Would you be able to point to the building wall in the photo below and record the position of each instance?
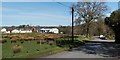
(48, 30)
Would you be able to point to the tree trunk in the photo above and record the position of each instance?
(87, 29)
(117, 34)
(117, 38)
(87, 34)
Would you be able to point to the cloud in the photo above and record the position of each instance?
(36, 16)
(11, 13)
(46, 15)
(108, 15)
(9, 9)
(16, 17)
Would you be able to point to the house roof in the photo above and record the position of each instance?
(48, 28)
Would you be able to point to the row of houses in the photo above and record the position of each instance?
(42, 30)
(4, 30)
(49, 30)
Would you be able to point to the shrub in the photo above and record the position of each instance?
(37, 50)
(43, 41)
(16, 49)
(38, 41)
(22, 42)
(13, 40)
(3, 40)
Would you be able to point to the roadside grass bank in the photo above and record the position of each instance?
(29, 49)
(34, 48)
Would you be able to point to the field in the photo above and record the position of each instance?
(28, 48)
(35, 44)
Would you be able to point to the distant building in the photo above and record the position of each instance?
(7, 31)
(3, 30)
(49, 30)
(15, 31)
(21, 31)
(29, 31)
(25, 31)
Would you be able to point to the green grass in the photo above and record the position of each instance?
(28, 46)
(0, 51)
(86, 39)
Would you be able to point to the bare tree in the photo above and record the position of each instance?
(88, 12)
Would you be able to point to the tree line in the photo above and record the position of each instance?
(90, 20)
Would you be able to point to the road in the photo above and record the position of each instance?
(95, 49)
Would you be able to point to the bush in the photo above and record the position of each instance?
(38, 41)
(3, 41)
(69, 43)
(16, 49)
(13, 40)
(22, 42)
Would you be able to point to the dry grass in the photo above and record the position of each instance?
(39, 37)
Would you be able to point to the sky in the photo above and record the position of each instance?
(40, 13)
(59, 0)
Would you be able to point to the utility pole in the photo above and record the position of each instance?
(72, 24)
(72, 41)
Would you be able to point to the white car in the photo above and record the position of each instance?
(102, 37)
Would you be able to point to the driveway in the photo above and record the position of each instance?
(95, 49)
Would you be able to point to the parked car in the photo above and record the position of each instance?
(102, 37)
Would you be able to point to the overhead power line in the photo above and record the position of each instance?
(63, 4)
(72, 20)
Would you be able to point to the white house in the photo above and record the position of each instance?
(7, 31)
(3, 30)
(29, 31)
(25, 31)
(49, 30)
(54, 30)
(21, 31)
(15, 31)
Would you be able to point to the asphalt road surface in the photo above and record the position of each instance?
(95, 49)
